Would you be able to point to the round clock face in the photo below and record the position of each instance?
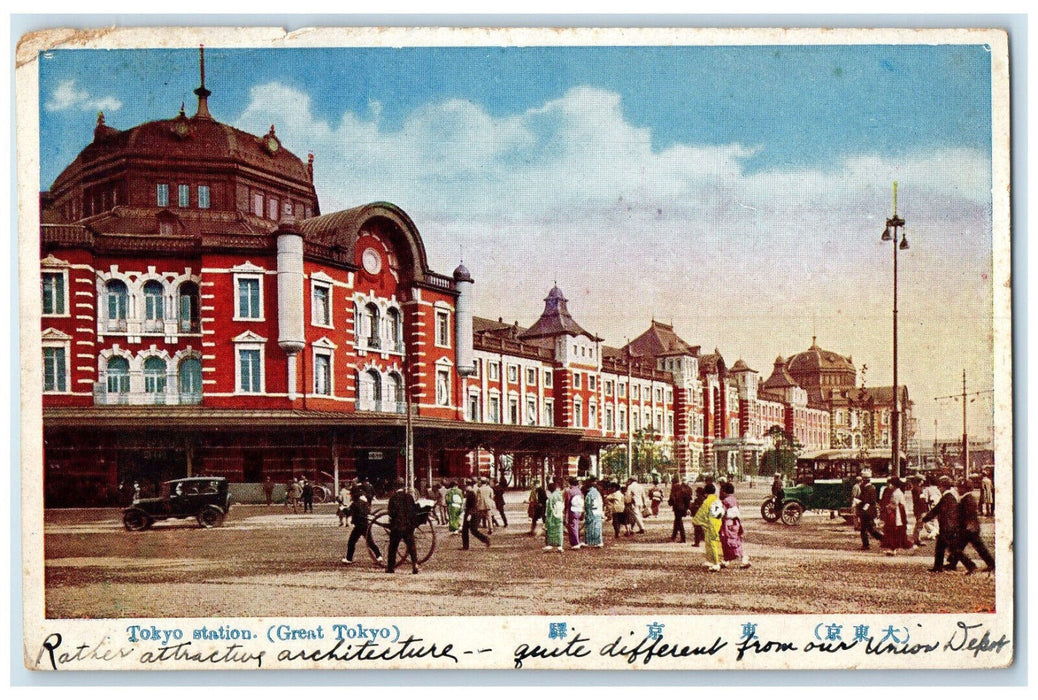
(372, 261)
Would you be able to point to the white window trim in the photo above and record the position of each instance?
(53, 338)
(493, 371)
(250, 341)
(238, 277)
(64, 283)
(549, 378)
(325, 348)
(328, 285)
(439, 313)
(512, 369)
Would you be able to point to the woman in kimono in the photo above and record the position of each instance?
(709, 517)
(455, 504)
(895, 517)
(554, 513)
(731, 529)
(594, 512)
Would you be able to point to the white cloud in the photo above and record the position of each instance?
(67, 96)
(753, 262)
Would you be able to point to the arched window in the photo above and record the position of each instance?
(188, 308)
(118, 301)
(374, 319)
(155, 378)
(190, 380)
(370, 391)
(395, 328)
(396, 393)
(154, 308)
(118, 378)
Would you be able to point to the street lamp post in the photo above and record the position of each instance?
(890, 233)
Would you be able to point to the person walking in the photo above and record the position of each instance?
(455, 499)
(573, 499)
(895, 517)
(867, 508)
(485, 504)
(308, 496)
(293, 494)
(931, 497)
(615, 505)
(655, 498)
(969, 526)
(268, 490)
(987, 494)
(359, 513)
(594, 511)
(731, 529)
(919, 509)
(343, 499)
(499, 500)
(680, 500)
(554, 514)
(697, 503)
(440, 508)
(639, 503)
(472, 518)
(535, 503)
(402, 523)
(709, 517)
(947, 514)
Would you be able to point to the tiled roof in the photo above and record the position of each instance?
(780, 378)
(555, 320)
(660, 339)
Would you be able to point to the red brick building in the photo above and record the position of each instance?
(201, 314)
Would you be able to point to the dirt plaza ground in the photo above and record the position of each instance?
(268, 561)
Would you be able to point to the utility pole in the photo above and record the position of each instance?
(965, 435)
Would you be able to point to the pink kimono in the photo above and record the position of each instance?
(731, 530)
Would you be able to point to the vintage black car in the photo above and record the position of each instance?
(204, 498)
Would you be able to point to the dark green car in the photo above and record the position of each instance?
(833, 495)
(204, 498)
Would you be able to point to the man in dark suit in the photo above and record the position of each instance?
(680, 500)
(867, 508)
(969, 528)
(402, 523)
(948, 521)
(472, 517)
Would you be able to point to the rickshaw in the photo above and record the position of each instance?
(424, 533)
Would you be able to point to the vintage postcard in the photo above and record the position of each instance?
(515, 349)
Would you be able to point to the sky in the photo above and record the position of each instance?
(738, 192)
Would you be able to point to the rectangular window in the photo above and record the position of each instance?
(609, 419)
(474, 407)
(272, 209)
(531, 411)
(591, 382)
(257, 204)
(623, 421)
(513, 373)
(443, 329)
(54, 369)
(549, 412)
(321, 305)
(495, 409)
(621, 390)
(443, 387)
(203, 196)
(249, 298)
(250, 381)
(493, 371)
(592, 416)
(477, 367)
(53, 288)
(531, 376)
(578, 414)
(608, 388)
(323, 374)
(548, 378)
(636, 392)
(576, 380)
(183, 195)
(659, 394)
(513, 411)
(162, 195)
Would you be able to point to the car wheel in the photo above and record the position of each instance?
(791, 513)
(136, 520)
(210, 516)
(767, 510)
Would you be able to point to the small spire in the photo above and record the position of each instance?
(203, 94)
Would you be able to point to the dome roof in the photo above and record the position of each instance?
(192, 140)
(461, 274)
(816, 359)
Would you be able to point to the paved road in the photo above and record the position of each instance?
(265, 561)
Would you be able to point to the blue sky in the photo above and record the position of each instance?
(738, 192)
